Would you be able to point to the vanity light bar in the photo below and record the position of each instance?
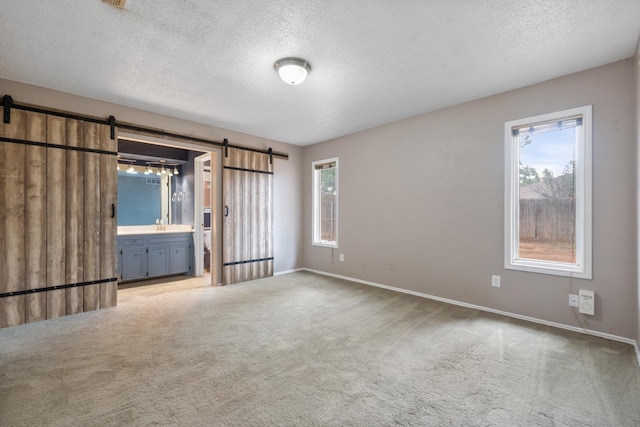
(164, 168)
(161, 167)
(131, 169)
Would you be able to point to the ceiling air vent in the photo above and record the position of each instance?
(117, 3)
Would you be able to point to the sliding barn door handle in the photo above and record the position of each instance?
(113, 210)
(226, 211)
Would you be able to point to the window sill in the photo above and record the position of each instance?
(552, 268)
(325, 245)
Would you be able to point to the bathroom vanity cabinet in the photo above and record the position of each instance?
(152, 255)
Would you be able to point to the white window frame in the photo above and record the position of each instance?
(582, 267)
(315, 177)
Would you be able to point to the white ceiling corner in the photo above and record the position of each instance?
(373, 62)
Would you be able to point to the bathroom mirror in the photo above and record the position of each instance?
(142, 199)
(160, 188)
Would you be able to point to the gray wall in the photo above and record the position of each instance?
(426, 194)
(636, 66)
(287, 190)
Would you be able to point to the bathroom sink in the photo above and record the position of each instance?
(124, 230)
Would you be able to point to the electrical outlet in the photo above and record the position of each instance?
(392, 265)
(573, 300)
(341, 257)
(495, 281)
(587, 302)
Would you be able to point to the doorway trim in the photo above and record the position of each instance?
(198, 213)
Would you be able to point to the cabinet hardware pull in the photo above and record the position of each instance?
(226, 211)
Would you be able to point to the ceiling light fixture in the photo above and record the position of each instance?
(131, 169)
(292, 71)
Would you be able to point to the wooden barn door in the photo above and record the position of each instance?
(247, 200)
(58, 182)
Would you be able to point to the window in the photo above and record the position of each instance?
(325, 203)
(548, 193)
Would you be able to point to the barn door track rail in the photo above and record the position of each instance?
(53, 288)
(8, 103)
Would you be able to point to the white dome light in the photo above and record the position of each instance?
(292, 71)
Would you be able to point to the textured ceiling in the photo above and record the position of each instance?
(373, 62)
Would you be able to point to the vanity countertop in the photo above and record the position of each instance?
(129, 230)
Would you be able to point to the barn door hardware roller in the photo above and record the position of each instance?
(7, 102)
(112, 125)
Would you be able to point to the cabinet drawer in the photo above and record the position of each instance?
(126, 241)
(169, 238)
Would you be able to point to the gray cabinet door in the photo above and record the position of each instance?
(158, 260)
(179, 258)
(134, 263)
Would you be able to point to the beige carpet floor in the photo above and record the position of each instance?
(304, 349)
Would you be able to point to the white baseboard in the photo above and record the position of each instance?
(280, 273)
(487, 309)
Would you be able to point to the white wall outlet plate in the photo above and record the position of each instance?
(495, 281)
(341, 257)
(573, 300)
(587, 302)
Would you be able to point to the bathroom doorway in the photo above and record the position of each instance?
(200, 189)
(205, 223)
